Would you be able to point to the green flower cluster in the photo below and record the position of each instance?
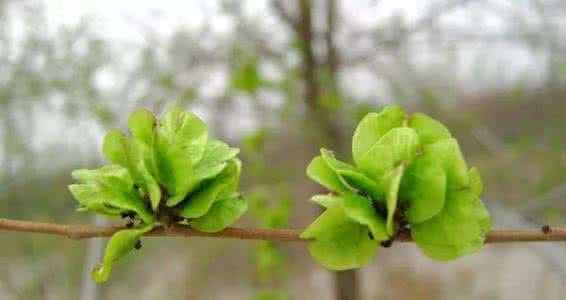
(409, 175)
(167, 172)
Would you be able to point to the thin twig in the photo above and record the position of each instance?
(282, 235)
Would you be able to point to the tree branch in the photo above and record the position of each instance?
(283, 235)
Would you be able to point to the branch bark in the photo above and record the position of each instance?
(282, 235)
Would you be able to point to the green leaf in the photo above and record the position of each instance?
(351, 178)
(246, 76)
(476, 183)
(137, 158)
(429, 130)
(109, 175)
(185, 130)
(372, 127)
(174, 168)
(181, 144)
(121, 243)
(220, 187)
(399, 145)
(109, 191)
(339, 243)
(424, 188)
(357, 208)
(222, 214)
(363, 185)
(458, 230)
(326, 201)
(361, 210)
(143, 168)
(320, 172)
(448, 152)
(115, 148)
(87, 196)
(269, 260)
(212, 163)
(394, 182)
(216, 153)
(142, 126)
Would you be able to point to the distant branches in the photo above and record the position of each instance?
(546, 234)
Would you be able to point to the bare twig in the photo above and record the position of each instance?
(282, 235)
(284, 15)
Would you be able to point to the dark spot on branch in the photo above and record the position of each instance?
(546, 229)
(387, 244)
(138, 245)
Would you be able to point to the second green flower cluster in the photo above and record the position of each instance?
(167, 172)
(409, 175)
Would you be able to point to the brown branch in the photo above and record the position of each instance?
(284, 15)
(282, 235)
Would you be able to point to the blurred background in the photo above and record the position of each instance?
(280, 79)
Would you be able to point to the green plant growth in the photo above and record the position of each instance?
(270, 260)
(408, 175)
(267, 211)
(168, 171)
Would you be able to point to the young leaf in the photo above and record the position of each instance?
(350, 177)
(429, 130)
(86, 195)
(185, 130)
(372, 127)
(137, 158)
(142, 126)
(121, 243)
(326, 201)
(360, 210)
(320, 172)
(476, 183)
(222, 214)
(115, 148)
(448, 152)
(456, 231)
(397, 146)
(110, 175)
(424, 188)
(212, 163)
(339, 243)
(394, 181)
(220, 187)
(109, 187)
